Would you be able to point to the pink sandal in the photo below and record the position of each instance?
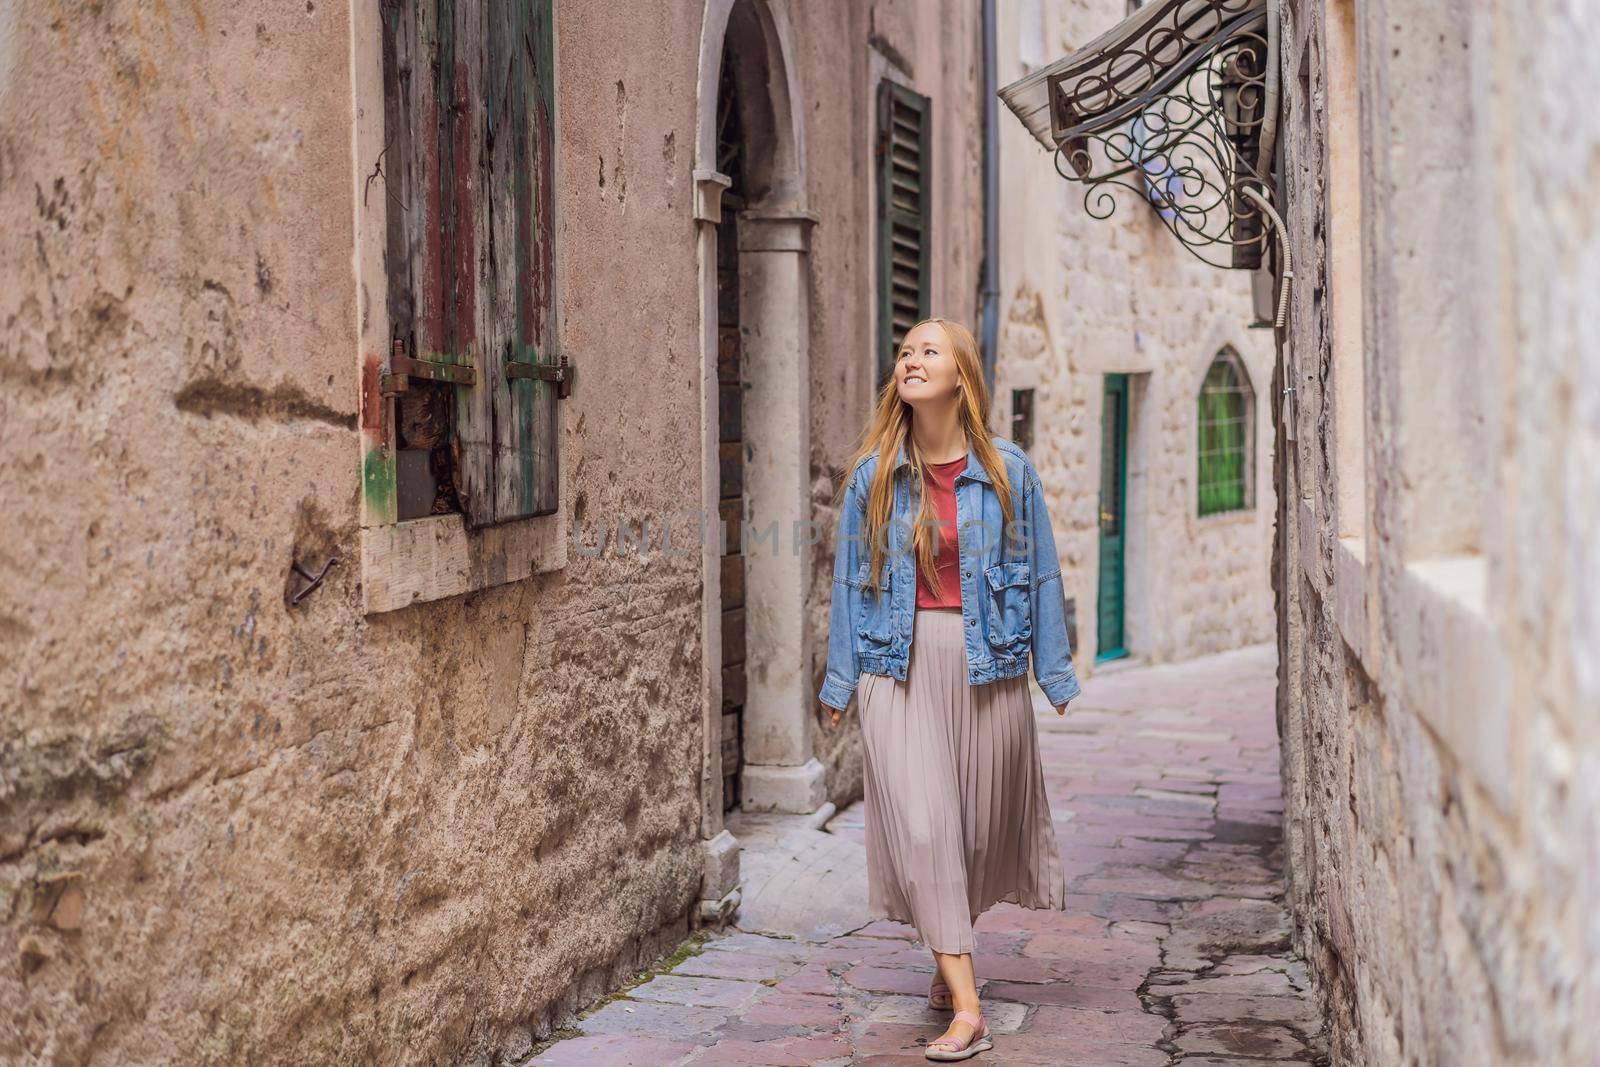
(939, 998)
(949, 1049)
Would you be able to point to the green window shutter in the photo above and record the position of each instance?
(470, 109)
(522, 173)
(1224, 431)
(905, 212)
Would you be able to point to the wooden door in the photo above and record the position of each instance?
(1111, 641)
(730, 435)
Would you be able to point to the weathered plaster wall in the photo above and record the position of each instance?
(235, 832)
(1083, 297)
(845, 50)
(1439, 684)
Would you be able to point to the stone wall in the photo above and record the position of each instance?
(233, 831)
(236, 831)
(1439, 550)
(1085, 297)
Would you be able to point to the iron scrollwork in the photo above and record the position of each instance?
(1173, 110)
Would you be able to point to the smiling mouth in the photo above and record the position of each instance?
(916, 378)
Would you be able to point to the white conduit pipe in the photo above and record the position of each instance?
(1283, 248)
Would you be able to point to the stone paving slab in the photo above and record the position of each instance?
(618, 1050)
(808, 883)
(734, 964)
(1174, 949)
(698, 992)
(1002, 1018)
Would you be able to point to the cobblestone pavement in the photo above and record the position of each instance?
(1174, 947)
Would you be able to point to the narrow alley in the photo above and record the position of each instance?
(431, 471)
(1175, 944)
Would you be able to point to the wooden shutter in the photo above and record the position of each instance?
(470, 159)
(905, 211)
(523, 237)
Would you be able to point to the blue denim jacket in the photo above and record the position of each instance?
(1012, 602)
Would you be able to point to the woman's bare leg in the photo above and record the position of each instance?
(963, 982)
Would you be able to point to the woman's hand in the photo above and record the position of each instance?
(835, 716)
(1061, 709)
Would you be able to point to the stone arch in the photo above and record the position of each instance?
(1226, 352)
(760, 33)
(778, 770)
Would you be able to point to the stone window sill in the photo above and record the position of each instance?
(1236, 517)
(1439, 606)
(1350, 600)
(1456, 678)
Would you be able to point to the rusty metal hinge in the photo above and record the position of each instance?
(561, 372)
(403, 369)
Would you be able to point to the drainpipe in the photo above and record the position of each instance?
(988, 280)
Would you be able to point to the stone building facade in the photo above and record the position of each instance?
(477, 772)
(1436, 542)
(1090, 302)
(1438, 559)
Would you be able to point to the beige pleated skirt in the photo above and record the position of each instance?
(956, 813)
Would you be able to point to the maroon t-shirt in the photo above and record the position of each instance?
(939, 483)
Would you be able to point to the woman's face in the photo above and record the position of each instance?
(925, 371)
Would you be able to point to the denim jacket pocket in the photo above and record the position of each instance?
(1010, 622)
(874, 624)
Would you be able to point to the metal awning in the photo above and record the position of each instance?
(1177, 104)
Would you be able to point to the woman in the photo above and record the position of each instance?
(946, 583)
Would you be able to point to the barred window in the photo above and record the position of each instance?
(1225, 421)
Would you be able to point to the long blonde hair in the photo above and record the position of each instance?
(890, 427)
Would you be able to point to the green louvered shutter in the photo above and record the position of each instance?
(905, 166)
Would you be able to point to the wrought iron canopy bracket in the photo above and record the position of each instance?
(1177, 106)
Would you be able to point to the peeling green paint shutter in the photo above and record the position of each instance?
(470, 110)
(905, 213)
(522, 235)
(460, 137)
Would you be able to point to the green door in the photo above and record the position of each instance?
(1111, 642)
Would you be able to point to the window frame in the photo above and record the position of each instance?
(431, 558)
(1229, 357)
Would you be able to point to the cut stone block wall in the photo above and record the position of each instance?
(1438, 555)
(1083, 297)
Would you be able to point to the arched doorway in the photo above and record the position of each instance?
(730, 427)
(754, 240)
